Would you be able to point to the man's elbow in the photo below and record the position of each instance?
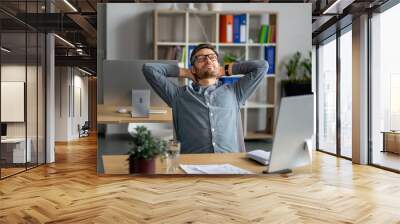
(262, 66)
(150, 70)
(147, 68)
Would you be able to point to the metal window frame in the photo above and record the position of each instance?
(334, 37)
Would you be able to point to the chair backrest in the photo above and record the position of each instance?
(240, 136)
(86, 125)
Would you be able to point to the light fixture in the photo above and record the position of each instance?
(70, 5)
(84, 71)
(337, 7)
(5, 50)
(64, 40)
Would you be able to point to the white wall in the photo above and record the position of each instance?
(69, 79)
(17, 72)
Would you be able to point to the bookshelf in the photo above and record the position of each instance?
(183, 29)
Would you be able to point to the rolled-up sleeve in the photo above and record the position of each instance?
(157, 75)
(254, 72)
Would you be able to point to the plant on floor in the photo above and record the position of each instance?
(145, 148)
(298, 71)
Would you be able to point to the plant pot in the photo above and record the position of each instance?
(296, 88)
(143, 166)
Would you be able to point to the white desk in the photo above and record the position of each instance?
(18, 150)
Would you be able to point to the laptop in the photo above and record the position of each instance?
(140, 102)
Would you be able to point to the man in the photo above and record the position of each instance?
(205, 112)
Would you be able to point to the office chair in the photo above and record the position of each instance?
(84, 130)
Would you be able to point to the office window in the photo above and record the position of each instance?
(327, 96)
(346, 93)
(22, 89)
(385, 89)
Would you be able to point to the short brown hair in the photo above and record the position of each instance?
(199, 47)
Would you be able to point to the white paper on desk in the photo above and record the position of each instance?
(190, 169)
(214, 169)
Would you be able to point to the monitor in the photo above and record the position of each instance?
(3, 129)
(295, 126)
(121, 76)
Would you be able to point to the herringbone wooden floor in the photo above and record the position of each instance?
(69, 191)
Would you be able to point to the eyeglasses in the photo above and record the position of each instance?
(203, 58)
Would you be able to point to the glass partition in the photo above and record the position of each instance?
(327, 96)
(13, 96)
(385, 89)
(22, 87)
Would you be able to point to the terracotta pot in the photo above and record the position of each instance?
(144, 166)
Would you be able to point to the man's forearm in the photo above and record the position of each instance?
(156, 75)
(245, 67)
(254, 72)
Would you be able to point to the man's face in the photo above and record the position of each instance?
(206, 64)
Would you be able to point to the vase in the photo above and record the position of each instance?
(142, 166)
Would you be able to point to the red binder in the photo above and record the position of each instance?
(226, 29)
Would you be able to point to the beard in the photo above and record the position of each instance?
(206, 73)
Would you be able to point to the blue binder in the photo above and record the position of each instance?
(236, 29)
(243, 28)
(270, 58)
(190, 49)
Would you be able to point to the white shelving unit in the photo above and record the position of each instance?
(186, 28)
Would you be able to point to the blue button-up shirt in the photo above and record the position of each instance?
(205, 117)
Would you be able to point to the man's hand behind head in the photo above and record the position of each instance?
(187, 73)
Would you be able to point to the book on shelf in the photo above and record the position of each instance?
(262, 34)
(176, 53)
(226, 29)
(183, 59)
(267, 34)
(243, 23)
(273, 34)
(189, 52)
(270, 58)
(239, 28)
(236, 29)
(233, 28)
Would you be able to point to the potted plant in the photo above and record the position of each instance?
(142, 156)
(299, 76)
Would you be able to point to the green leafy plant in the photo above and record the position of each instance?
(229, 58)
(306, 67)
(292, 66)
(299, 75)
(298, 69)
(145, 146)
